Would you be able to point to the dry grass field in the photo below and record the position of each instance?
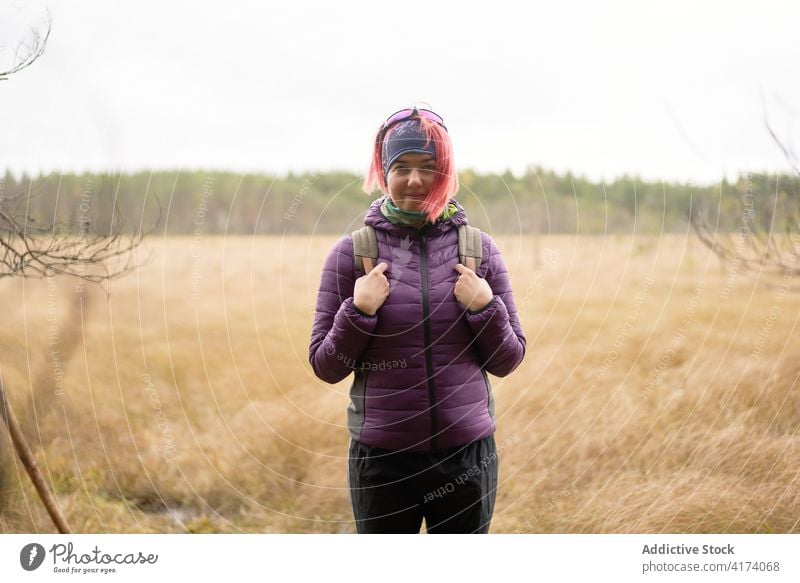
(659, 393)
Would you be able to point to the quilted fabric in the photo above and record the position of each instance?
(419, 383)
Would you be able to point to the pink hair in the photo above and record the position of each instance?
(446, 184)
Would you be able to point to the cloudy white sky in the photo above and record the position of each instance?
(672, 90)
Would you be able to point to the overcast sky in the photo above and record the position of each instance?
(670, 90)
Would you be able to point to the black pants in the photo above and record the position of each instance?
(452, 489)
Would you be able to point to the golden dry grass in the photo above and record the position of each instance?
(659, 393)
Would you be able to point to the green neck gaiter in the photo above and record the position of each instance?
(397, 216)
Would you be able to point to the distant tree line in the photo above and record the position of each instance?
(333, 203)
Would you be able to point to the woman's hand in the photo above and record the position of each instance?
(471, 291)
(371, 290)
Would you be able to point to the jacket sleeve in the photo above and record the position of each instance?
(499, 337)
(341, 332)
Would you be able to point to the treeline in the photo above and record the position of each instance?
(184, 203)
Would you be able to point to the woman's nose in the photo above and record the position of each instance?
(415, 177)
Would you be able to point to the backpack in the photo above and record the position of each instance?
(365, 248)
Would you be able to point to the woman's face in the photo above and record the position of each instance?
(410, 180)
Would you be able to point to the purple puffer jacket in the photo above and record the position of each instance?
(420, 363)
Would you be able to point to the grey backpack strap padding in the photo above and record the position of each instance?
(365, 249)
(470, 247)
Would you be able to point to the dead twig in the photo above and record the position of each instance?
(29, 462)
(28, 52)
(760, 247)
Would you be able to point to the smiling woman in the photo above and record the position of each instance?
(412, 161)
(410, 180)
(422, 435)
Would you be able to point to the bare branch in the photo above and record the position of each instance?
(756, 247)
(31, 248)
(28, 52)
(790, 158)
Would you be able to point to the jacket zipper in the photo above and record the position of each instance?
(426, 326)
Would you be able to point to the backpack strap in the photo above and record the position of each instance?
(365, 249)
(470, 247)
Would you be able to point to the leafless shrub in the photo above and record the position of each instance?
(759, 247)
(29, 51)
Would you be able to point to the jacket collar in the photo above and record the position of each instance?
(376, 220)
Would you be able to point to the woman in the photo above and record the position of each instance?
(419, 330)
